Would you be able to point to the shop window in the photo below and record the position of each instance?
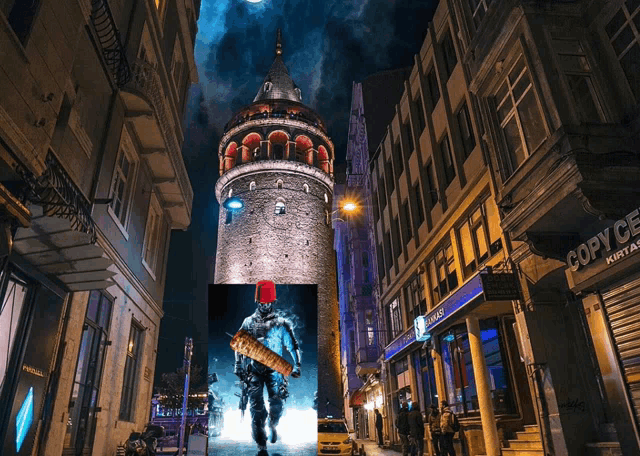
(460, 383)
(131, 371)
(395, 319)
(478, 9)
(519, 115)
(425, 367)
(402, 394)
(479, 237)
(10, 313)
(466, 130)
(87, 380)
(416, 302)
(432, 190)
(624, 34)
(434, 89)
(446, 157)
(442, 273)
(449, 51)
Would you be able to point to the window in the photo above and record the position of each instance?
(419, 108)
(389, 177)
(252, 186)
(395, 319)
(395, 234)
(447, 160)
(10, 312)
(449, 51)
(416, 302)
(382, 193)
(20, 15)
(381, 259)
(574, 65)
(442, 273)
(410, 145)
(519, 115)
(479, 237)
(352, 345)
(123, 181)
(434, 90)
(624, 33)
(279, 184)
(417, 202)
(88, 375)
(267, 86)
(152, 236)
(398, 160)
(376, 207)
(388, 255)
(431, 185)
(466, 130)
(280, 208)
(131, 372)
(478, 9)
(305, 188)
(177, 65)
(278, 151)
(406, 223)
(365, 260)
(368, 321)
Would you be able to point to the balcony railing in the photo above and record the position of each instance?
(109, 37)
(367, 355)
(146, 81)
(59, 196)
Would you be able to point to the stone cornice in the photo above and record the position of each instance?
(275, 122)
(272, 166)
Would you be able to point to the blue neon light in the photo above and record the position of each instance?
(449, 337)
(24, 419)
(235, 205)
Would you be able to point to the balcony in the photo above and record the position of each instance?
(61, 239)
(109, 38)
(367, 360)
(148, 112)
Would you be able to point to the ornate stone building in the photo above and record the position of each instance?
(92, 181)
(276, 157)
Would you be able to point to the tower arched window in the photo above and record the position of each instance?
(252, 186)
(280, 208)
(278, 151)
(230, 192)
(267, 86)
(326, 198)
(305, 187)
(279, 184)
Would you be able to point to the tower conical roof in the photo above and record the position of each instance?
(278, 85)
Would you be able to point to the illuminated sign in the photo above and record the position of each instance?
(420, 325)
(400, 343)
(24, 419)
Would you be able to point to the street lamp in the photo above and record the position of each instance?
(233, 204)
(347, 206)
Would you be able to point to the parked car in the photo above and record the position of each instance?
(334, 438)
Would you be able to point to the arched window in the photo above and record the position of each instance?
(252, 186)
(251, 147)
(278, 141)
(326, 198)
(323, 159)
(230, 192)
(280, 208)
(304, 148)
(230, 156)
(305, 187)
(267, 86)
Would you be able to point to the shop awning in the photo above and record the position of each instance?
(486, 285)
(357, 399)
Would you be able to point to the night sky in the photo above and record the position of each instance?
(229, 305)
(328, 44)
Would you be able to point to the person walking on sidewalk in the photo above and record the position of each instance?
(416, 430)
(402, 424)
(449, 425)
(434, 428)
(379, 427)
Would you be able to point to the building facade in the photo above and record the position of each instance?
(277, 159)
(92, 183)
(506, 220)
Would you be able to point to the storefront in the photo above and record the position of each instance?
(473, 354)
(605, 272)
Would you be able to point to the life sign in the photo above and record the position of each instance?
(613, 237)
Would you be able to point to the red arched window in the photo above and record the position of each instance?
(304, 148)
(251, 147)
(230, 156)
(323, 159)
(278, 145)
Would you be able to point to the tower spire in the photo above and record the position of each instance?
(279, 42)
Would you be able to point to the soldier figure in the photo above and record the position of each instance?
(276, 333)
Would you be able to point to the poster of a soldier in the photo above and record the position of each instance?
(265, 347)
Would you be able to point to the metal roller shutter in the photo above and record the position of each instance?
(623, 309)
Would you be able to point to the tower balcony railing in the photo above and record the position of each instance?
(109, 38)
(275, 113)
(145, 81)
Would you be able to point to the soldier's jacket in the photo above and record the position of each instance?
(272, 330)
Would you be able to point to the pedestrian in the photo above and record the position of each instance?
(449, 425)
(434, 428)
(416, 430)
(379, 427)
(402, 424)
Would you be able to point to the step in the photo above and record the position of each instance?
(514, 452)
(531, 428)
(528, 436)
(525, 444)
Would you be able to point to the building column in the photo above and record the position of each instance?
(481, 375)
(438, 371)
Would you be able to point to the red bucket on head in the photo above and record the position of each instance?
(265, 291)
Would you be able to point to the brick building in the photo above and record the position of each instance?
(92, 181)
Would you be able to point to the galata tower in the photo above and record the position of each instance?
(276, 162)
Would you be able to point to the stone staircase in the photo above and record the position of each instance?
(527, 443)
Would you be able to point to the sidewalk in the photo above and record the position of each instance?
(371, 449)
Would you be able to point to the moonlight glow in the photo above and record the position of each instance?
(296, 426)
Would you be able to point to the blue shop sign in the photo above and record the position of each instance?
(400, 344)
(485, 284)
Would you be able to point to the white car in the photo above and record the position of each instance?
(334, 438)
